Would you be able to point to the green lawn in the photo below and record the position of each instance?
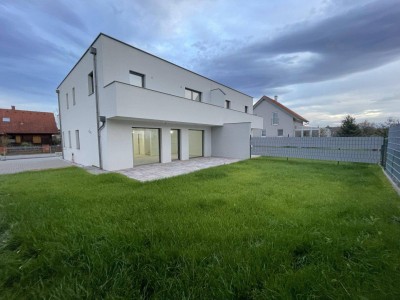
(262, 228)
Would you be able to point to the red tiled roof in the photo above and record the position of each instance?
(28, 122)
(280, 105)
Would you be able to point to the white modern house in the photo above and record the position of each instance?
(280, 121)
(121, 107)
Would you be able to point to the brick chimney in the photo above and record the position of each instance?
(276, 98)
(12, 107)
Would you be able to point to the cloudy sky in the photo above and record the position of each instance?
(323, 58)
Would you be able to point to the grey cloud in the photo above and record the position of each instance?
(359, 39)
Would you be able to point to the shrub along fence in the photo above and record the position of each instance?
(350, 149)
(392, 163)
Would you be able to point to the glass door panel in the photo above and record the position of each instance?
(175, 154)
(146, 146)
(195, 143)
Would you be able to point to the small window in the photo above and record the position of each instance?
(136, 79)
(246, 109)
(6, 120)
(227, 104)
(264, 132)
(280, 132)
(73, 96)
(90, 83)
(69, 139)
(192, 95)
(36, 139)
(63, 139)
(66, 97)
(275, 119)
(78, 143)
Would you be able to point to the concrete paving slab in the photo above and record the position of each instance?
(175, 168)
(32, 164)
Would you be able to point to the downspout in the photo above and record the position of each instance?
(59, 119)
(93, 51)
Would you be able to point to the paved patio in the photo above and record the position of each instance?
(175, 168)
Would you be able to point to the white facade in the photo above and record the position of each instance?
(278, 120)
(118, 72)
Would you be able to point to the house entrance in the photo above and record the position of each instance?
(146, 146)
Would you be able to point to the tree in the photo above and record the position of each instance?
(383, 128)
(349, 127)
(368, 128)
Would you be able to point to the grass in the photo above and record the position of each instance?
(262, 228)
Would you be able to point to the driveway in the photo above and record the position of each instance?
(24, 163)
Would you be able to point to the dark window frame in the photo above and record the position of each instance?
(179, 143)
(143, 76)
(227, 104)
(191, 94)
(278, 132)
(246, 109)
(91, 83)
(202, 143)
(77, 140)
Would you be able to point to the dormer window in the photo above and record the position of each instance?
(6, 120)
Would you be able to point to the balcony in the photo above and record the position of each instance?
(125, 101)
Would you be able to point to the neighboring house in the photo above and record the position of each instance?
(121, 107)
(280, 120)
(22, 126)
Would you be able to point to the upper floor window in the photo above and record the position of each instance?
(90, 83)
(280, 132)
(136, 79)
(66, 97)
(6, 120)
(246, 109)
(275, 119)
(73, 96)
(227, 104)
(192, 94)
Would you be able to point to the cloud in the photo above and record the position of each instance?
(359, 39)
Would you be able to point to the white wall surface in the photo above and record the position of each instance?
(161, 75)
(231, 140)
(81, 116)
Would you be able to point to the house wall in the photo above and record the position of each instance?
(81, 116)
(265, 110)
(162, 76)
(231, 140)
(126, 108)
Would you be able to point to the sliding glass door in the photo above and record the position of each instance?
(146, 146)
(175, 154)
(195, 143)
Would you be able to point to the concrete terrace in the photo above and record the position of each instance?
(174, 168)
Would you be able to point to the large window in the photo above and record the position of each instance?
(146, 146)
(275, 119)
(90, 83)
(136, 79)
(195, 143)
(192, 94)
(175, 144)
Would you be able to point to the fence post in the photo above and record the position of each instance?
(384, 153)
